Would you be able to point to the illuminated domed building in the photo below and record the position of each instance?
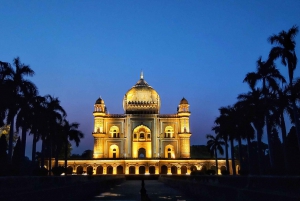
(141, 141)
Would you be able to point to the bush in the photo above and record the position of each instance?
(225, 172)
(243, 172)
(90, 172)
(211, 172)
(42, 171)
(57, 171)
(197, 172)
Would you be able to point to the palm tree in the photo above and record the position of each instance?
(5, 70)
(24, 118)
(70, 133)
(283, 106)
(219, 131)
(254, 101)
(244, 130)
(227, 129)
(38, 122)
(215, 144)
(55, 115)
(285, 50)
(269, 75)
(17, 86)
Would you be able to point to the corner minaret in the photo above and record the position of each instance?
(184, 133)
(99, 132)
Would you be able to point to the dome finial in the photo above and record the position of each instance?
(142, 75)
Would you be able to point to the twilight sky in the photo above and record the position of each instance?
(200, 50)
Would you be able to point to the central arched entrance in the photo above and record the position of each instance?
(142, 153)
(141, 142)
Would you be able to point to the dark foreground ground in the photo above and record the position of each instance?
(130, 190)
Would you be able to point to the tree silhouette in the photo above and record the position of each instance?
(17, 87)
(285, 50)
(17, 158)
(215, 144)
(3, 155)
(270, 76)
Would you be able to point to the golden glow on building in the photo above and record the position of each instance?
(141, 141)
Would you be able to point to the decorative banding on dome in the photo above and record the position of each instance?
(141, 99)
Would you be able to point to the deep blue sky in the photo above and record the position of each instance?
(200, 50)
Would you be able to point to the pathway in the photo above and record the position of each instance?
(130, 191)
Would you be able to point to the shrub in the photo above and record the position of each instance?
(243, 172)
(57, 171)
(211, 172)
(90, 172)
(42, 171)
(225, 172)
(197, 172)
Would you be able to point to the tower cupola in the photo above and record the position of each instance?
(183, 106)
(99, 106)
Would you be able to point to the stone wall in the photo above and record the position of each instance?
(55, 188)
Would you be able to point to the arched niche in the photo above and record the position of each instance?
(141, 133)
(169, 151)
(114, 151)
(114, 132)
(169, 132)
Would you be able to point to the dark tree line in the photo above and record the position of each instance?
(22, 108)
(264, 108)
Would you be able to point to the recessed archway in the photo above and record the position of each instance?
(114, 132)
(169, 151)
(174, 169)
(131, 170)
(193, 168)
(142, 170)
(223, 168)
(69, 170)
(183, 169)
(120, 169)
(99, 170)
(142, 153)
(109, 170)
(142, 133)
(164, 169)
(114, 151)
(79, 170)
(89, 170)
(151, 170)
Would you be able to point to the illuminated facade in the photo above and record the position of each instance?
(141, 132)
(141, 141)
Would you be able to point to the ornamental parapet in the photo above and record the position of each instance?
(168, 116)
(184, 114)
(184, 135)
(115, 116)
(99, 135)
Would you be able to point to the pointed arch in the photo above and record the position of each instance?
(114, 151)
(114, 132)
(169, 132)
(169, 151)
(141, 133)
